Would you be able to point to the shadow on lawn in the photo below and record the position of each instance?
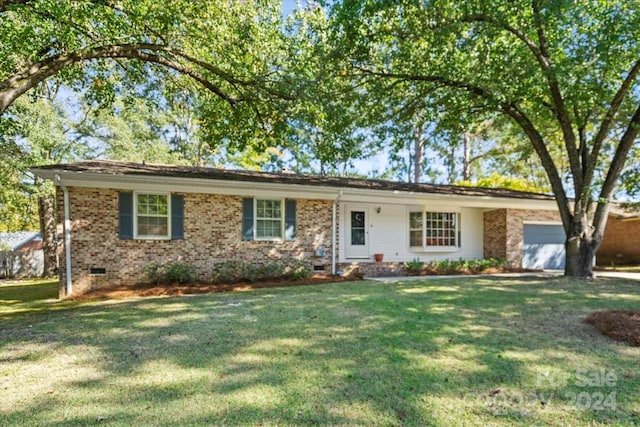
(364, 353)
(16, 292)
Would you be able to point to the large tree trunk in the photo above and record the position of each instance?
(584, 235)
(581, 253)
(46, 212)
(418, 148)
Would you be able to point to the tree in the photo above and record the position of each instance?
(107, 49)
(227, 48)
(37, 133)
(325, 130)
(559, 70)
(55, 125)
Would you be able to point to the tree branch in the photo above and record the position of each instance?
(482, 18)
(444, 81)
(558, 101)
(34, 73)
(545, 158)
(513, 111)
(538, 54)
(225, 75)
(5, 4)
(616, 102)
(157, 59)
(617, 164)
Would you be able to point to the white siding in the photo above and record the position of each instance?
(389, 233)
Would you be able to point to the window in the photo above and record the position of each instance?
(415, 229)
(152, 216)
(358, 228)
(433, 229)
(269, 219)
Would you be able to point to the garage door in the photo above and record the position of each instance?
(543, 247)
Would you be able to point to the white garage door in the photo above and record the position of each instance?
(543, 247)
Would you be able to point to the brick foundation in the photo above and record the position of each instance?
(373, 269)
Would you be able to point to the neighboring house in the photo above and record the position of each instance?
(621, 242)
(121, 217)
(21, 254)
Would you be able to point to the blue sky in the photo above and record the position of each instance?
(288, 6)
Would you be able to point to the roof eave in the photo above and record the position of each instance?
(145, 182)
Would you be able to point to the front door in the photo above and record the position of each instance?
(357, 234)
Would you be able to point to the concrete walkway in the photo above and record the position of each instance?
(618, 275)
(540, 274)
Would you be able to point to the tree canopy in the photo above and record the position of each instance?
(566, 74)
(476, 83)
(231, 49)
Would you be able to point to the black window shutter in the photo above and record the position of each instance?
(177, 217)
(459, 230)
(247, 218)
(289, 219)
(125, 208)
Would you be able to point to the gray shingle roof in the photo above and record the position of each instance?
(117, 168)
(16, 239)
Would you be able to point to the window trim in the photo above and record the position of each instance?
(135, 216)
(282, 219)
(434, 248)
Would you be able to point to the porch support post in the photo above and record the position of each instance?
(334, 230)
(67, 237)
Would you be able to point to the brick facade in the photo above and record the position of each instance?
(495, 234)
(212, 233)
(621, 242)
(372, 269)
(504, 232)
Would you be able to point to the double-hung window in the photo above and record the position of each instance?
(150, 216)
(152, 219)
(434, 229)
(269, 219)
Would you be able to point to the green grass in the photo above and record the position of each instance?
(18, 297)
(473, 351)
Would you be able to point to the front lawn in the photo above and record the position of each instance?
(473, 351)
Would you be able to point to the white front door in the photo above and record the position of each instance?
(357, 233)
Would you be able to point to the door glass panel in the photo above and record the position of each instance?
(357, 228)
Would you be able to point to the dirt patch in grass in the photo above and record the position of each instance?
(147, 290)
(620, 325)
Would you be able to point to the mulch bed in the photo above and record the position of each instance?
(176, 289)
(620, 325)
(148, 290)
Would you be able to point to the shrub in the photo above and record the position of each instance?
(172, 272)
(154, 273)
(414, 266)
(269, 271)
(297, 270)
(461, 266)
(180, 272)
(231, 271)
(241, 271)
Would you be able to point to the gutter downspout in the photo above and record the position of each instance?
(334, 231)
(67, 237)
